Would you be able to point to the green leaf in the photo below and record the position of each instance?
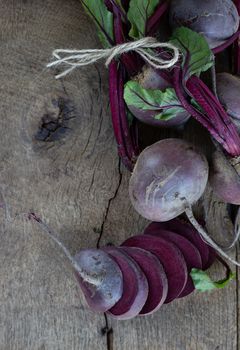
(102, 18)
(166, 102)
(203, 282)
(138, 15)
(198, 57)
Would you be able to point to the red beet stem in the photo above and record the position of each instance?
(116, 119)
(209, 119)
(131, 61)
(227, 43)
(200, 117)
(125, 130)
(124, 120)
(153, 21)
(214, 110)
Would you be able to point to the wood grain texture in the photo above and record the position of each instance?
(69, 181)
(73, 180)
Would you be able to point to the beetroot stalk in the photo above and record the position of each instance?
(223, 131)
(130, 61)
(226, 44)
(153, 22)
(200, 117)
(54, 237)
(224, 125)
(207, 238)
(116, 122)
(124, 121)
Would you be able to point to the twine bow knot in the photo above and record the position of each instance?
(78, 58)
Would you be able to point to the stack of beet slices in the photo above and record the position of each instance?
(145, 272)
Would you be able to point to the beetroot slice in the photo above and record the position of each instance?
(186, 230)
(101, 280)
(135, 286)
(171, 258)
(190, 253)
(156, 277)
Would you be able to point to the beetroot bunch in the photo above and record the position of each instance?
(169, 260)
(145, 272)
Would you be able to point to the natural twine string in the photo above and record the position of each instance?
(78, 58)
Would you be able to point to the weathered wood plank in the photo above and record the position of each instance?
(68, 181)
(75, 183)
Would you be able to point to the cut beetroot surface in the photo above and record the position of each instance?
(171, 258)
(186, 230)
(190, 253)
(101, 280)
(135, 286)
(156, 277)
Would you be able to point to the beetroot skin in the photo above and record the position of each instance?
(217, 20)
(101, 279)
(168, 176)
(224, 179)
(149, 78)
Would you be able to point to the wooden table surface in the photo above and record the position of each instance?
(59, 159)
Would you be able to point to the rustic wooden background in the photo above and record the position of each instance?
(59, 159)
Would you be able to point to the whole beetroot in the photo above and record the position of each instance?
(228, 89)
(217, 20)
(224, 173)
(168, 176)
(146, 87)
(224, 179)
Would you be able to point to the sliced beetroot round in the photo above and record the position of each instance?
(186, 230)
(101, 279)
(171, 258)
(190, 253)
(156, 277)
(135, 286)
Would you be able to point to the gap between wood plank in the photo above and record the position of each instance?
(109, 204)
(106, 330)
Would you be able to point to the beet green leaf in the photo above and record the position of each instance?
(203, 282)
(138, 15)
(102, 18)
(197, 56)
(166, 102)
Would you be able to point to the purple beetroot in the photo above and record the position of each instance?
(100, 279)
(135, 286)
(169, 176)
(156, 277)
(224, 172)
(170, 257)
(152, 100)
(190, 253)
(217, 20)
(186, 230)
(137, 277)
